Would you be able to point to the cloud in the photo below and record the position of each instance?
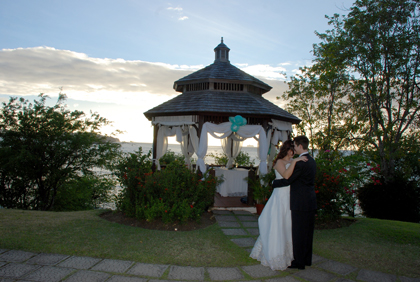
(120, 90)
(266, 71)
(45, 70)
(179, 11)
(174, 8)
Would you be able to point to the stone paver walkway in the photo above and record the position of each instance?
(241, 227)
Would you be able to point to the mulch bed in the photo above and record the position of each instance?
(207, 219)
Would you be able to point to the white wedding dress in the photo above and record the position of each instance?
(274, 247)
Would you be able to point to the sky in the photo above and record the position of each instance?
(121, 58)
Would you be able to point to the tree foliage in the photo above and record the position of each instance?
(363, 89)
(43, 149)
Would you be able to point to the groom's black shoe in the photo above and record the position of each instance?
(296, 265)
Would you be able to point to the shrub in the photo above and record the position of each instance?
(44, 148)
(328, 184)
(86, 192)
(131, 170)
(243, 159)
(172, 194)
(398, 199)
(170, 157)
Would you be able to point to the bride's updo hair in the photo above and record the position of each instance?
(284, 150)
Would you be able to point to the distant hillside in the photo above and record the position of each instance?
(111, 139)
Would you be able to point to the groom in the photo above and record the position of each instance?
(302, 204)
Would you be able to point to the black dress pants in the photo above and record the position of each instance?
(303, 223)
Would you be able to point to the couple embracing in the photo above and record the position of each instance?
(287, 222)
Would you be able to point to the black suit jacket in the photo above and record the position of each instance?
(302, 185)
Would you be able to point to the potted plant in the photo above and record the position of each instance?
(262, 189)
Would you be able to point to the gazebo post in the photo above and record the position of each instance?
(155, 133)
(200, 127)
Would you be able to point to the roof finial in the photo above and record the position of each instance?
(222, 39)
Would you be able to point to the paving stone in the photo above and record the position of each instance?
(259, 271)
(229, 224)
(112, 265)
(317, 259)
(161, 280)
(242, 212)
(119, 278)
(79, 262)
(250, 224)
(224, 273)
(374, 276)
(7, 280)
(253, 231)
(16, 256)
(16, 270)
(221, 212)
(315, 275)
(337, 267)
(49, 273)
(88, 276)
(343, 280)
(247, 218)
(244, 242)
(408, 279)
(225, 218)
(283, 279)
(237, 231)
(186, 273)
(3, 251)
(47, 259)
(144, 269)
(2, 263)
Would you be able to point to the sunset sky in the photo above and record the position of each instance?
(121, 58)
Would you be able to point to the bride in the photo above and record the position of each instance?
(274, 246)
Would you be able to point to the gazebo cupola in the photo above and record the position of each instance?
(221, 52)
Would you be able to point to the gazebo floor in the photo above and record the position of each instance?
(228, 202)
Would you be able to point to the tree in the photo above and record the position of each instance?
(377, 47)
(316, 96)
(380, 44)
(44, 148)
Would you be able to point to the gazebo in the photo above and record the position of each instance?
(227, 103)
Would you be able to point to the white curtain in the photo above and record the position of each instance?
(279, 132)
(231, 146)
(246, 131)
(186, 135)
(187, 147)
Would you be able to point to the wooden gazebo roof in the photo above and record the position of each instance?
(221, 90)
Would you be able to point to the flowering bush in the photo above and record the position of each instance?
(397, 199)
(336, 182)
(328, 184)
(130, 170)
(172, 194)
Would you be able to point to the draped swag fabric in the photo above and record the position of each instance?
(186, 135)
(246, 131)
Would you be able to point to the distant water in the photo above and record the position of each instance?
(176, 148)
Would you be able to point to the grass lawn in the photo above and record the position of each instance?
(381, 245)
(84, 233)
